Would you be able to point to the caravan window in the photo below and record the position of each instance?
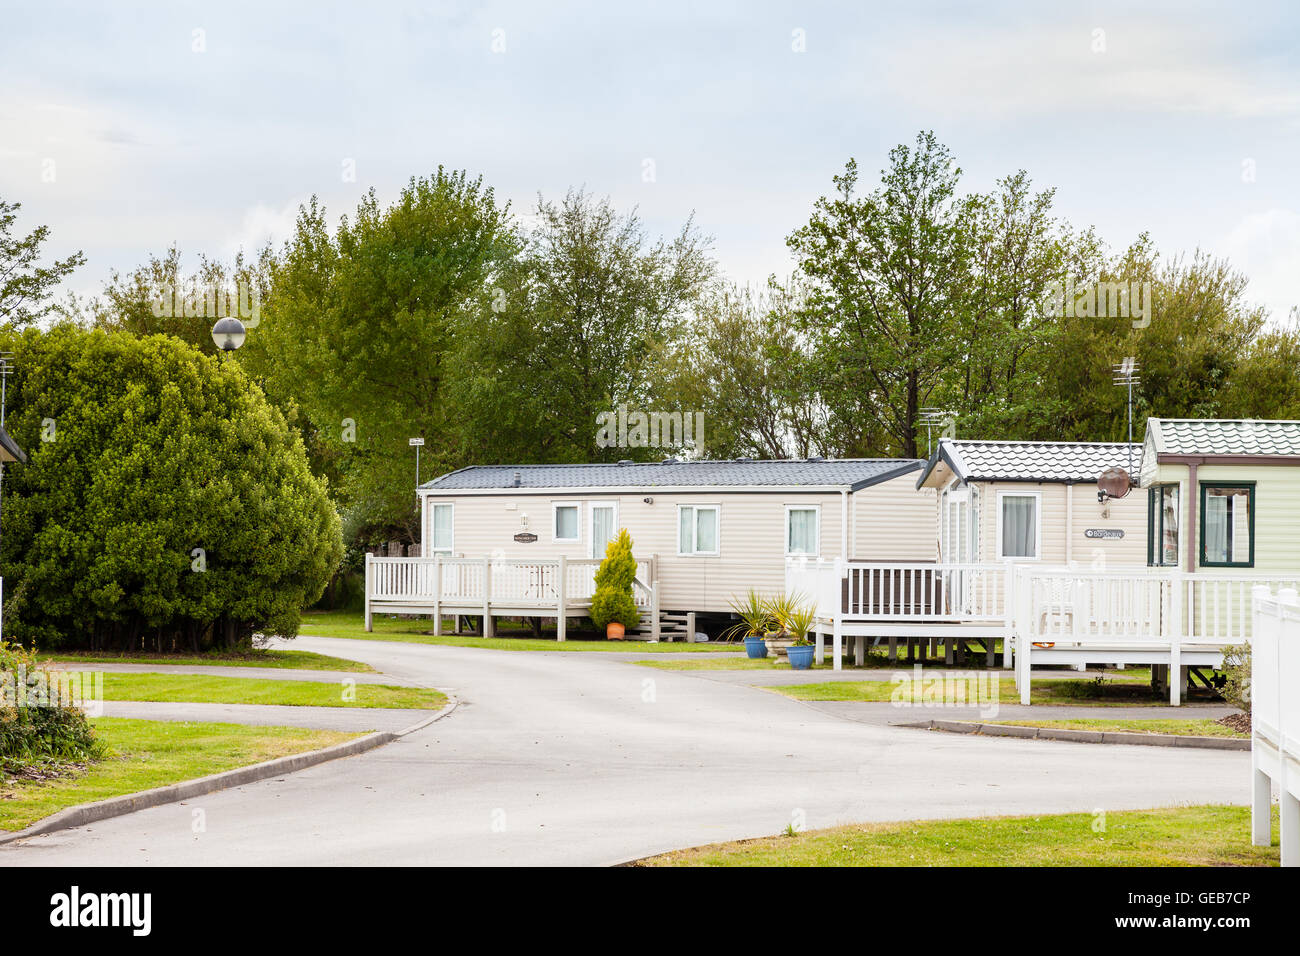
(1228, 525)
(1018, 524)
(697, 529)
(1162, 526)
(801, 530)
(566, 523)
(440, 528)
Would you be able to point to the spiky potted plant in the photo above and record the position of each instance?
(779, 609)
(612, 604)
(798, 623)
(753, 625)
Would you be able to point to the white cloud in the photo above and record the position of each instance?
(1266, 246)
(1141, 67)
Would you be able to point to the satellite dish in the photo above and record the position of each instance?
(1114, 482)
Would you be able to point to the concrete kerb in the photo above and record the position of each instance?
(1082, 736)
(128, 803)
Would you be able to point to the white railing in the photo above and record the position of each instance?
(901, 593)
(948, 593)
(1275, 718)
(1065, 606)
(480, 585)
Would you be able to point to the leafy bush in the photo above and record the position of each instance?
(613, 599)
(1236, 672)
(32, 735)
(165, 505)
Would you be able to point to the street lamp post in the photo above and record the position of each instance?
(417, 444)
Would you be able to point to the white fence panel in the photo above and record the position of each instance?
(1275, 718)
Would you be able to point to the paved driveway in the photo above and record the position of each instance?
(557, 758)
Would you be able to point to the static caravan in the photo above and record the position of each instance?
(1029, 501)
(703, 531)
(1223, 495)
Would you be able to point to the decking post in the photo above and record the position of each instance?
(1289, 811)
(837, 639)
(1261, 803)
(1024, 641)
(561, 618)
(369, 558)
(860, 649)
(820, 645)
(489, 627)
(437, 595)
(1176, 641)
(1009, 609)
(656, 625)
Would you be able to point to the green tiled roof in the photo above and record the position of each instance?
(1217, 436)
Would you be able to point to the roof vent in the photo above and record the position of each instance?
(627, 461)
(517, 482)
(668, 461)
(745, 459)
(817, 458)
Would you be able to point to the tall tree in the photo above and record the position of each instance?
(25, 284)
(160, 297)
(360, 324)
(746, 367)
(885, 273)
(571, 331)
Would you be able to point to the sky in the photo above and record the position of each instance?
(127, 126)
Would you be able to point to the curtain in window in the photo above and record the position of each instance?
(1169, 524)
(602, 529)
(685, 530)
(1217, 516)
(802, 531)
(706, 530)
(566, 522)
(1019, 526)
(442, 527)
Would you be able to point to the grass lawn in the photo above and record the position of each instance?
(413, 630)
(1186, 728)
(200, 688)
(1183, 836)
(150, 753)
(1069, 692)
(299, 660)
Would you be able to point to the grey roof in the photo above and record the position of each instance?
(850, 473)
(1211, 436)
(973, 460)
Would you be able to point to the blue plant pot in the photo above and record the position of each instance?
(801, 658)
(755, 647)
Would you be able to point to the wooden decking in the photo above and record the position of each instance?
(491, 588)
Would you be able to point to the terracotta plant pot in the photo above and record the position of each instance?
(614, 631)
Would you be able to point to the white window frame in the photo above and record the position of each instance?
(432, 506)
(817, 536)
(716, 508)
(555, 523)
(1038, 525)
(591, 523)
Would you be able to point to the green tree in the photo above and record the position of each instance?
(612, 599)
(571, 331)
(25, 284)
(746, 366)
(886, 274)
(159, 297)
(165, 503)
(359, 329)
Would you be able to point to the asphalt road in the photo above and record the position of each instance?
(557, 758)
